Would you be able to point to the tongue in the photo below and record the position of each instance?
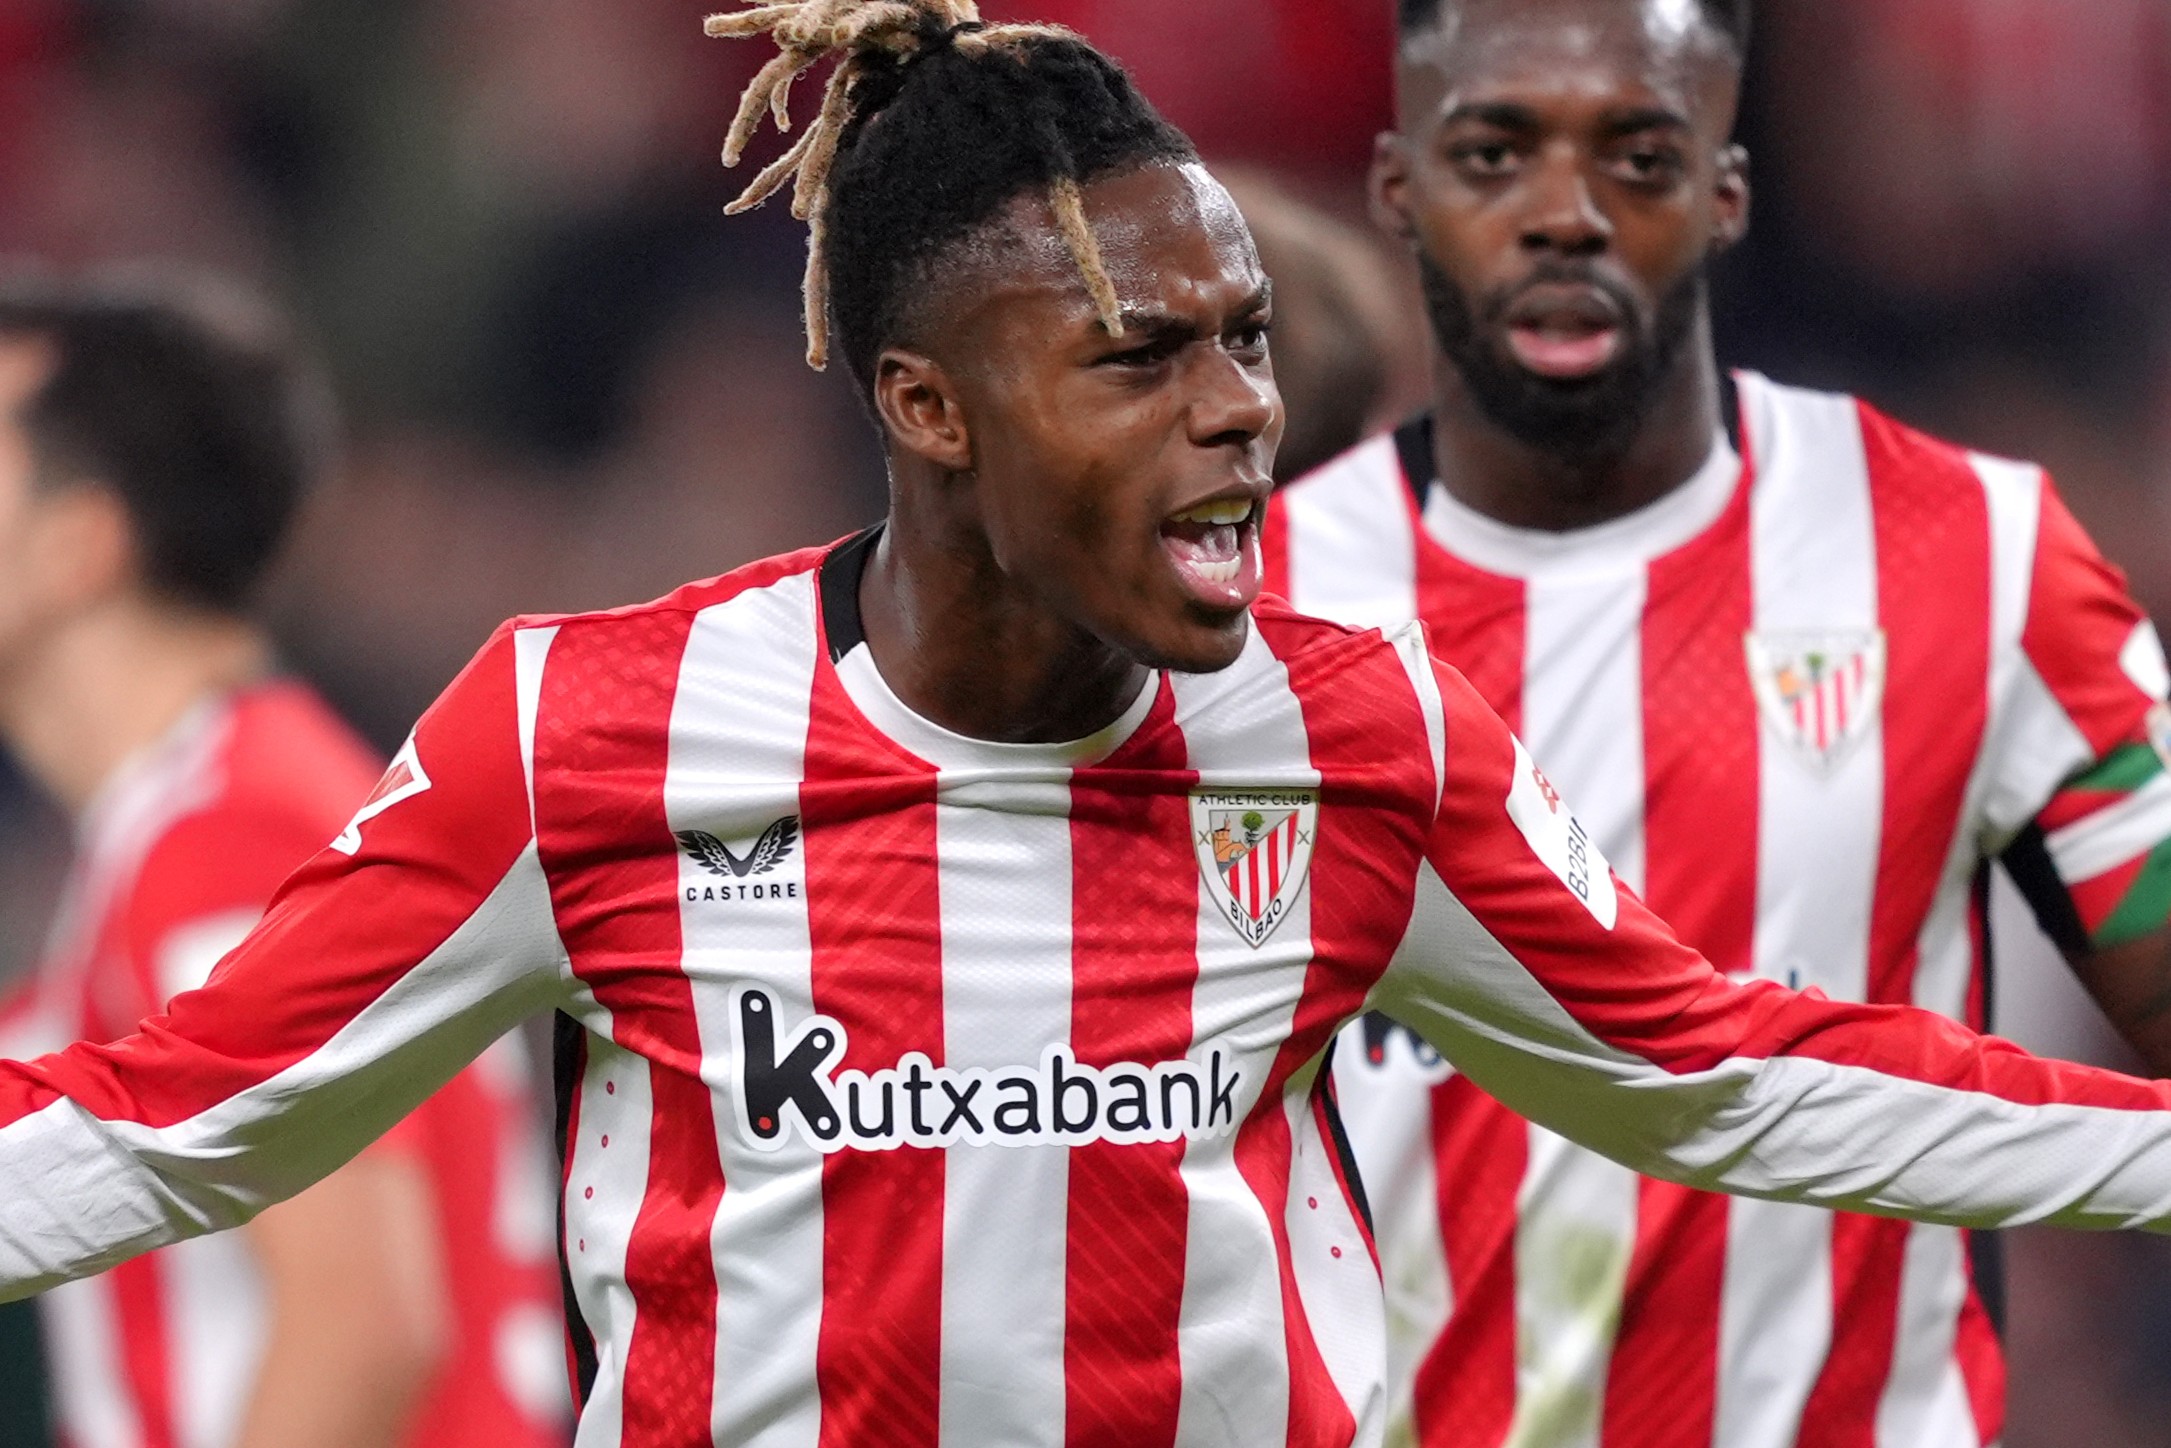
(1202, 542)
(1564, 354)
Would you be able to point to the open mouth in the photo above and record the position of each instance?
(1565, 332)
(1215, 548)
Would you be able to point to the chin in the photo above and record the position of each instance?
(1198, 647)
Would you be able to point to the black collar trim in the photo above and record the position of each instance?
(841, 573)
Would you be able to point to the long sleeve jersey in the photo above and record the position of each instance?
(1801, 702)
(931, 1091)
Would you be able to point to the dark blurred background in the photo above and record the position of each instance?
(569, 382)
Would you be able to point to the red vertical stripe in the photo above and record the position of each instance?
(1465, 1388)
(1701, 744)
(1867, 1254)
(874, 919)
(1365, 855)
(1932, 529)
(1274, 547)
(1475, 620)
(139, 1310)
(2079, 618)
(601, 749)
(1134, 971)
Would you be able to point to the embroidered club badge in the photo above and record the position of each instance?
(1254, 849)
(1819, 692)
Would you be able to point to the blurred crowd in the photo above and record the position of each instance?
(568, 382)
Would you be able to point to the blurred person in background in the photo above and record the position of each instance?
(1807, 673)
(1349, 348)
(155, 441)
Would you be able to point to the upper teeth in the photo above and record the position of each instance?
(1232, 510)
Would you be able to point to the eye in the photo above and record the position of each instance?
(1150, 353)
(1249, 339)
(1650, 165)
(1485, 159)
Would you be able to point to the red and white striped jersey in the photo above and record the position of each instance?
(929, 1091)
(177, 857)
(1799, 703)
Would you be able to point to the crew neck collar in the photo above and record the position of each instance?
(1630, 541)
(949, 751)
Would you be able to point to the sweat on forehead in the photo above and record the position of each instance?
(1663, 20)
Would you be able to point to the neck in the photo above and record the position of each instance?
(963, 645)
(111, 681)
(1526, 486)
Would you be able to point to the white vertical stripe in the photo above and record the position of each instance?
(1336, 1280)
(603, 1192)
(1245, 725)
(92, 1402)
(1775, 1318)
(1576, 1218)
(1925, 1400)
(531, 651)
(1352, 553)
(1813, 568)
(1387, 1111)
(1006, 997)
(738, 755)
(1416, 658)
(217, 1322)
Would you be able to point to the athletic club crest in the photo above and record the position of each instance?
(1819, 692)
(1254, 849)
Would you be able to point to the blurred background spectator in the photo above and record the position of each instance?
(570, 383)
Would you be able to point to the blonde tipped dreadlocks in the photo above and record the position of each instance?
(873, 40)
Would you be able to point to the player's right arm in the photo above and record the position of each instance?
(1558, 992)
(373, 978)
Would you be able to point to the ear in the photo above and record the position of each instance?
(82, 548)
(1731, 186)
(921, 409)
(1389, 186)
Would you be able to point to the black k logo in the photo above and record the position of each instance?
(769, 1085)
(771, 850)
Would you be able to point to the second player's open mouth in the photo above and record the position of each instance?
(1565, 332)
(1215, 548)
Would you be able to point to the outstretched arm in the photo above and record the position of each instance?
(1561, 994)
(383, 966)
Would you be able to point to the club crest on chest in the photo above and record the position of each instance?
(1819, 691)
(1254, 850)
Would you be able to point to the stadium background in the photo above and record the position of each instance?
(569, 382)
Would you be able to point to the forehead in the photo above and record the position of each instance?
(1535, 51)
(1169, 236)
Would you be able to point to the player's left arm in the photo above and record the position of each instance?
(1543, 979)
(2080, 797)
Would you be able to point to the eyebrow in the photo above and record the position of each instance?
(1157, 325)
(1511, 116)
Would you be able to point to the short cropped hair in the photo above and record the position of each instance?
(1730, 18)
(186, 400)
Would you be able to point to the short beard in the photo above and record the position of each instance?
(1594, 419)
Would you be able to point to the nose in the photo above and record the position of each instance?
(1233, 405)
(1563, 216)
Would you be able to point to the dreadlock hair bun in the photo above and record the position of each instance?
(930, 125)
